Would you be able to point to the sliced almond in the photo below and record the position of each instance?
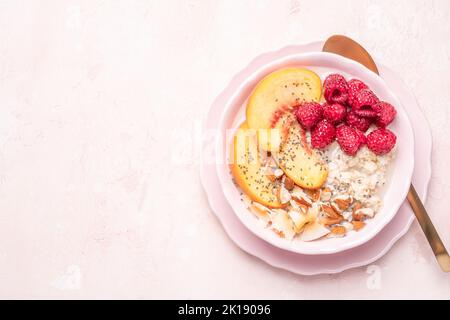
(356, 206)
(358, 216)
(283, 195)
(304, 208)
(269, 173)
(314, 194)
(330, 211)
(335, 209)
(331, 215)
(271, 177)
(278, 173)
(325, 194)
(331, 221)
(294, 205)
(343, 202)
(298, 195)
(338, 230)
(301, 201)
(358, 225)
(289, 183)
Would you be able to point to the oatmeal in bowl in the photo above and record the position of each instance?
(312, 161)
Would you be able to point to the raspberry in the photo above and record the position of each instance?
(386, 113)
(350, 139)
(362, 137)
(309, 114)
(354, 86)
(335, 89)
(334, 112)
(366, 113)
(323, 134)
(363, 103)
(355, 121)
(381, 141)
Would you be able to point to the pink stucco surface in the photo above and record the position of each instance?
(101, 105)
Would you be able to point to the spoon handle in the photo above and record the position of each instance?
(428, 228)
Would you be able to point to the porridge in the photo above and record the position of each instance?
(311, 159)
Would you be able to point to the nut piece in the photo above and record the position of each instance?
(271, 177)
(314, 194)
(304, 208)
(356, 206)
(294, 205)
(283, 195)
(362, 213)
(278, 173)
(358, 225)
(331, 216)
(289, 183)
(300, 197)
(325, 194)
(335, 209)
(338, 231)
(357, 216)
(330, 211)
(343, 202)
(366, 211)
(301, 201)
(331, 221)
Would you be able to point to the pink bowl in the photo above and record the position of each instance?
(402, 167)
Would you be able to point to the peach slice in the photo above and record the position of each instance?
(299, 162)
(270, 104)
(248, 169)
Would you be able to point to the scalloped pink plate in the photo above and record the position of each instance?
(319, 263)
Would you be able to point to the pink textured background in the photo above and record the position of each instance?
(101, 104)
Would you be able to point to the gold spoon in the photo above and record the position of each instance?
(349, 48)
